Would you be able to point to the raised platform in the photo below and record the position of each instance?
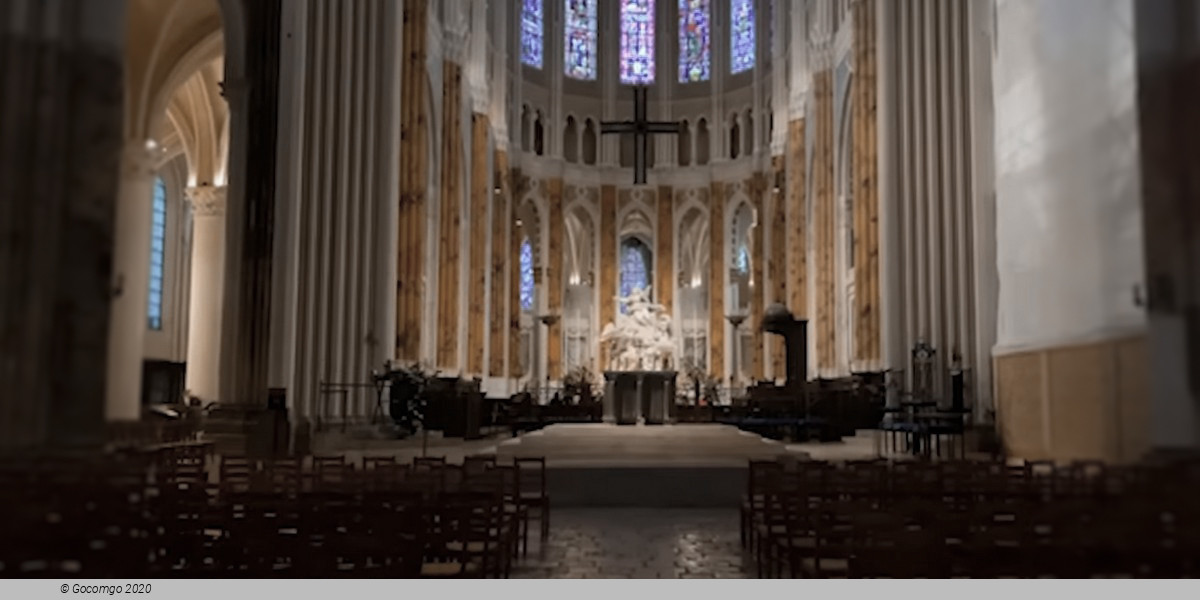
(684, 465)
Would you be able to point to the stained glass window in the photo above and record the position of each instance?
(693, 40)
(526, 275)
(742, 260)
(158, 241)
(741, 35)
(637, 41)
(579, 39)
(531, 33)
(635, 267)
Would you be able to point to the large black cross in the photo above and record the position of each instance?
(641, 130)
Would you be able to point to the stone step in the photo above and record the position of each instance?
(598, 445)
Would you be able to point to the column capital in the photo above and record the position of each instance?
(140, 158)
(798, 105)
(481, 99)
(207, 200)
(454, 45)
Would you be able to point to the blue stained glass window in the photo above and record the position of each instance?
(637, 41)
(531, 33)
(741, 35)
(158, 241)
(635, 266)
(579, 39)
(693, 40)
(742, 260)
(526, 275)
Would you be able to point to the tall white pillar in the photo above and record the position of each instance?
(890, 234)
(131, 274)
(208, 278)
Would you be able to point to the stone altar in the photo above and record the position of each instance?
(639, 385)
(647, 397)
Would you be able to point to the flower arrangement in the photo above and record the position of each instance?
(580, 382)
(406, 401)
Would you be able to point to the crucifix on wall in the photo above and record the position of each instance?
(642, 129)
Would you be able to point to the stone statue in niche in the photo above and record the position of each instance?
(640, 339)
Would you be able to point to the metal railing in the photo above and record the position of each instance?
(345, 404)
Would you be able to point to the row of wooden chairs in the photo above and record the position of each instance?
(322, 518)
(877, 519)
(381, 473)
(127, 435)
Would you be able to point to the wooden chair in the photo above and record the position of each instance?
(236, 473)
(332, 473)
(281, 476)
(760, 475)
(375, 462)
(504, 478)
(477, 465)
(460, 541)
(531, 491)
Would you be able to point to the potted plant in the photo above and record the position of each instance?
(406, 401)
(695, 377)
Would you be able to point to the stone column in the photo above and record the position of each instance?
(449, 321)
(241, 423)
(208, 273)
(131, 273)
(479, 225)
(608, 261)
(502, 224)
(1167, 64)
(888, 192)
(61, 106)
(664, 252)
(554, 280)
(1070, 357)
(716, 279)
(414, 175)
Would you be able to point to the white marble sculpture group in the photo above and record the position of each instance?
(640, 340)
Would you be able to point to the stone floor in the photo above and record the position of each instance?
(637, 543)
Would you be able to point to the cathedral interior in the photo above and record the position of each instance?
(272, 248)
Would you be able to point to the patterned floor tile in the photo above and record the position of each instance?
(637, 543)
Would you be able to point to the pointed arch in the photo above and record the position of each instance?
(692, 246)
(571, 140)
(684, 148)
(742, 228)
(692, 311)
(526, 128)
(579, 315)
(539, 134)
(589, 142)
(702, 142)
(582, 244)
(748, 133)
(528, 229)
(735, 137)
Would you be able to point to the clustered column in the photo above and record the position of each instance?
(61, 107)
(131, 275)
(208, 268)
